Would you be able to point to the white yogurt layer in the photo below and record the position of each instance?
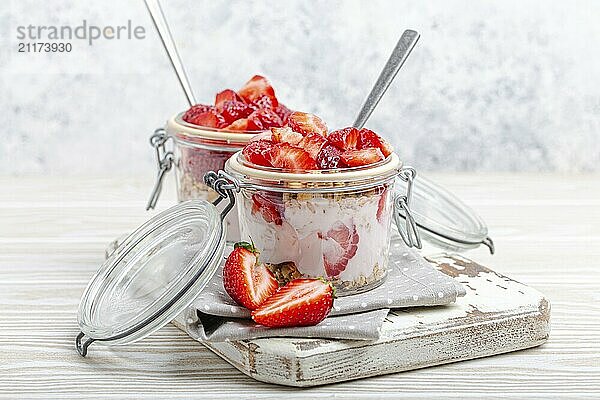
(302, 236)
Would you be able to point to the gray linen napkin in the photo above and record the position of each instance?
(411, 282)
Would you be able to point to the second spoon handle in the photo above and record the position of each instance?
(401, 52)
(162, 27)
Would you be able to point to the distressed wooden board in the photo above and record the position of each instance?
(497, 315)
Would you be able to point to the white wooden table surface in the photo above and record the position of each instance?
(53, 232)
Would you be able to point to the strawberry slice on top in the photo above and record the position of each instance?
(286, 156)
(330, 157)
(248, 282)
(305, 123)
(302, 302)
(257, 87)
(264, 119)
(339, 246)
(286, 135)
(345, 139)
(258, 152)
(357, 158)
(369, 139)
(209, 118)
(313, 143)
(226, 95)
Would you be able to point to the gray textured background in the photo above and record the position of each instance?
(493, 85)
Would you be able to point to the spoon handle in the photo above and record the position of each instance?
(162, 27)
(401, 52)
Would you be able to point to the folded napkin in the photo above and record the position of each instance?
(411, 281)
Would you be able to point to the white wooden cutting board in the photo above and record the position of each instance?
(497, 315)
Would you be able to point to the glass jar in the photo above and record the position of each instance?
(196, 150)
(330, 223)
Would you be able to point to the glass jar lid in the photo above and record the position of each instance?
(442, 219)
(153, 275)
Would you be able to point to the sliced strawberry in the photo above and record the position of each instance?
(313, 143)
(369, 139)
(194, 111)
(264, 119)
(356, 158)
(302, 302)
(232, 110)
(329, 157)
(210, 119)
(283, 112)
(263, 101)
(266, 135)
(257, 87)
(286, 135)
(381, 204)
(247, 281)
(269, 207)
(339, 246)
(258, 152)
(284, 155)
(239, 125)
(226, 95)
(345, 139)
(306, 123)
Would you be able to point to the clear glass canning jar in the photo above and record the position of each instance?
(329, 223)
(195, 151)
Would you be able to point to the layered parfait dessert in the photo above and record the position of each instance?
(207, 135)
(319, 200)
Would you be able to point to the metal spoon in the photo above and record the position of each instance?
(162, 27)
(401, 52)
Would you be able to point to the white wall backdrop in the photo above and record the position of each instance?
(492, 85)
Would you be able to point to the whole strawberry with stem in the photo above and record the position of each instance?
(245, 279)
(302, 302)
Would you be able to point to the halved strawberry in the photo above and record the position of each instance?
(284, 155)
(369, 139)
(264, 119)
(258, 152)
(257, 87)
(226, 95)
(345, 139)
(313, 143)
(239, 125)
(329, 157)
(305, 123)
(269, 207)
(194, 111)
(247, 281)
(232, 110)
(339, 246)
(210, 119)
(286, 135)
(356, 158)
(283, 112)
(302, 302)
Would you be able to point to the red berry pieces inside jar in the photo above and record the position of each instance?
(302, 302)
(246, 280)
(253, 108)
(339, 246)
(269, 207)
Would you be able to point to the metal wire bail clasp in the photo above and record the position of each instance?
(408, 231)
(164, 161)
(225, 185)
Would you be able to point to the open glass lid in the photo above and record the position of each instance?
(152, 276)
(442, 219)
